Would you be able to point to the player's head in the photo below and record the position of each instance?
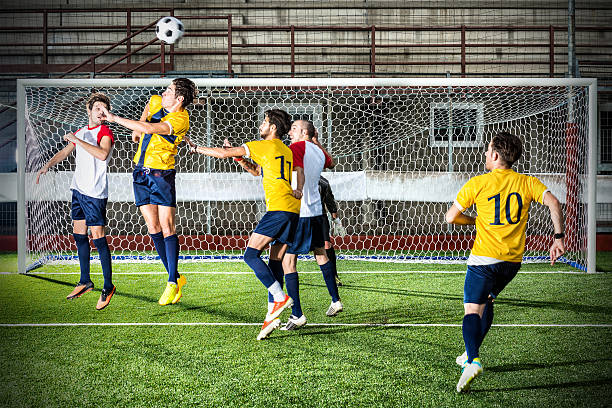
(301, 130)
(179, 94)
(94, 106)
(504, 148)
(276, 123)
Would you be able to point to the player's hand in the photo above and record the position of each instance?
(556, 250)
(298, 194)
(192, 146)
(136, 136)
(43, 170)
(338, 228)
(226, 143)
(70, 137)
(109, 117)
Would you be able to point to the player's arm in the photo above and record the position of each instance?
(455, 216)
(140, 126)
(301, 179)
(136, 134)
(99, 152)
(249, 166)
(558, 246)
(57, 157)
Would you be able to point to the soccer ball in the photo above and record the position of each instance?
(169, 29)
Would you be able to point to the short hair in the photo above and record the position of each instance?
(508, 146)
(280, 119)
(98, 97)
(186, 88)
(309, 126)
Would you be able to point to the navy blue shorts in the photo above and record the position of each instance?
(279, 225)
(310, 234)
(90, 209)
(484, 280)
(152, 186)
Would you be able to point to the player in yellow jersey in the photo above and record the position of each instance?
(502, 198)
(161, 128)
(274, 162)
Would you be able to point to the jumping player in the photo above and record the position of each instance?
(310, 158)
(162, 126)
(93, 145)
(502, 198)
(274, 162)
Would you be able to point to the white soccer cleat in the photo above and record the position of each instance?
(294, 323)
(462, 359)
(470, 372)
(334, 309)
(268, 327)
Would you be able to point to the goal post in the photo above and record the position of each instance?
(404, 147)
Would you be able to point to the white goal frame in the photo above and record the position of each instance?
(203, 84)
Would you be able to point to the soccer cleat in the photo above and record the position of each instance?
(278, 308)
(469, 372)
(169, 294)
(295, 323)
(338, 283)
(462, 359)
(182, 280)
(105, 298)
(334, 309)
(268, 327)
(80, 289)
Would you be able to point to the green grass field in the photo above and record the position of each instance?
(394, 345)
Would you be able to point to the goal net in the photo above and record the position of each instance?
(404, 148)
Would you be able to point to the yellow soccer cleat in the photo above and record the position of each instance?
(182, 280)
(169, 294)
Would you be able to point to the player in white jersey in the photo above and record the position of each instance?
(309, 160)
(93, 145)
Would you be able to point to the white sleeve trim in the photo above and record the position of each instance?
(459, 206)
(545, 191)
(248, 152)
(171, 129)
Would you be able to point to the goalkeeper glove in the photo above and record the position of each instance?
(337, 228)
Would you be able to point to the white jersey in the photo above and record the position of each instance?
(313, 160)
(90, 173)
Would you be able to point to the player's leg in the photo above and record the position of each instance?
(79, 233)
(275, 263)
(252, 257)
(330, 281)
(478, 285)
(297, 318)
(99, 240)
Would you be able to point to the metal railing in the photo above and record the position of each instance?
(371, 52)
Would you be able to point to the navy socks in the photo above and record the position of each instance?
(472, 335)
(277, 271)
(84, 251)
(252, 257)
(293, 290)
(160, 246)
(172, 252)
(105, 261)
(330, 281)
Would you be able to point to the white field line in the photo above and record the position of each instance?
(308, 272)
(309, 324)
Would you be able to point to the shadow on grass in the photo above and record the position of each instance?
(571, 384)
(534, 366)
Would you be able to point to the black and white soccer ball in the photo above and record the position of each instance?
(169, 29)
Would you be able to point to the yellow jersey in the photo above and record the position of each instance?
(276, 162)
(502, 198)
(158, 151)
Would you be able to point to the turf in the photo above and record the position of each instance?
(188, 363)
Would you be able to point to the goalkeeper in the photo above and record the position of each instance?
(331, 206)
(502, 198)
(93, 145)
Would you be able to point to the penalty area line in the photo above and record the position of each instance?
(131, 324)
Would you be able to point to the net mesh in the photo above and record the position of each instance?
(403, 152)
